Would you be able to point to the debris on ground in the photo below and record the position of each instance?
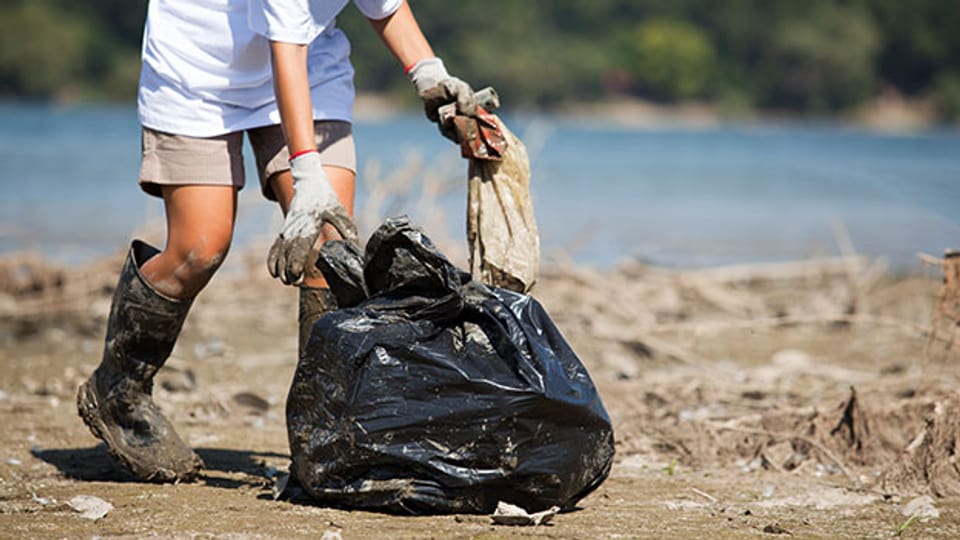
(922, 508)
(508, 514)
(89, 507)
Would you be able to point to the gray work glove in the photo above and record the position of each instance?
(437, 88)
(314, 203)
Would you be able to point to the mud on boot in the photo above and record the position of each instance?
(115, 402)
(314, 303)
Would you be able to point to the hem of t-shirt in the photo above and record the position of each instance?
(291, 35)
(381, 13)
(152, 123)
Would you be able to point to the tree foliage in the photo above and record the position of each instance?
(815, 55)
(669, 59)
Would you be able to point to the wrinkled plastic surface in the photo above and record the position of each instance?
(502, 233)
(432, 393)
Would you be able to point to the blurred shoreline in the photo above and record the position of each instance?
(888, 113)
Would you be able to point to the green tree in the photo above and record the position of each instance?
(42, 51)
(670, 60)
(821, 62)
(946, 94)
(920, 39)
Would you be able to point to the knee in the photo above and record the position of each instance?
(198, 262)
(186, 269)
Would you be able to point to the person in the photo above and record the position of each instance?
(279, 71)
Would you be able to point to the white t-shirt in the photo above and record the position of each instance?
(206, 63)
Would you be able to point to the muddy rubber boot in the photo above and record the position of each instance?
(314, 302)
(116, 402)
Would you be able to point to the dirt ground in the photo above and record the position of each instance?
(799, 399)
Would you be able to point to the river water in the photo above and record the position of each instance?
(602, 192)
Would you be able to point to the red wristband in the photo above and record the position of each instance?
(408, 69)
(302, 152)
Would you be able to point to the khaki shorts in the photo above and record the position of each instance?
(175, 160)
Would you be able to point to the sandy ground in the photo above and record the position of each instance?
(780, 400)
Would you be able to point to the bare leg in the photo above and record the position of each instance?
(200, 222)
(343, 182)
(153, 295)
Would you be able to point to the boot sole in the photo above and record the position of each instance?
(89, 408)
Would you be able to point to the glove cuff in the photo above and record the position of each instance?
(427, 73)
(306, 165)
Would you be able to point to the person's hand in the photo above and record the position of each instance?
(437, 88)
(314, 203)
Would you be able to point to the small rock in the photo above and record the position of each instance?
(921, 508)
(775, 528)
(178, 380)
(253, 403)
(214, 347)
(56, 335)
(90, 507)
(14, 461)
(508, 514)
(51, 387)
(791, 359)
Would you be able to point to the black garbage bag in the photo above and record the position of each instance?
(432, 393)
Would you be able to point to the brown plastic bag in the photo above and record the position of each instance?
(501, 227)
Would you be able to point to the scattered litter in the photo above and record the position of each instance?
(921, 508)
(331, 535)
(90, 507)
(42, 501)
(768, 491)
(14, 461)
(704, 494)
(280, 484)
(508, 514)
(675, 506)
(287, 488)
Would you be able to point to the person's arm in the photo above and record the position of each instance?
(291, 86)
(314, 200)
(402, 35)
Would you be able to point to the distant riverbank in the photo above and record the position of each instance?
(890, 113)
